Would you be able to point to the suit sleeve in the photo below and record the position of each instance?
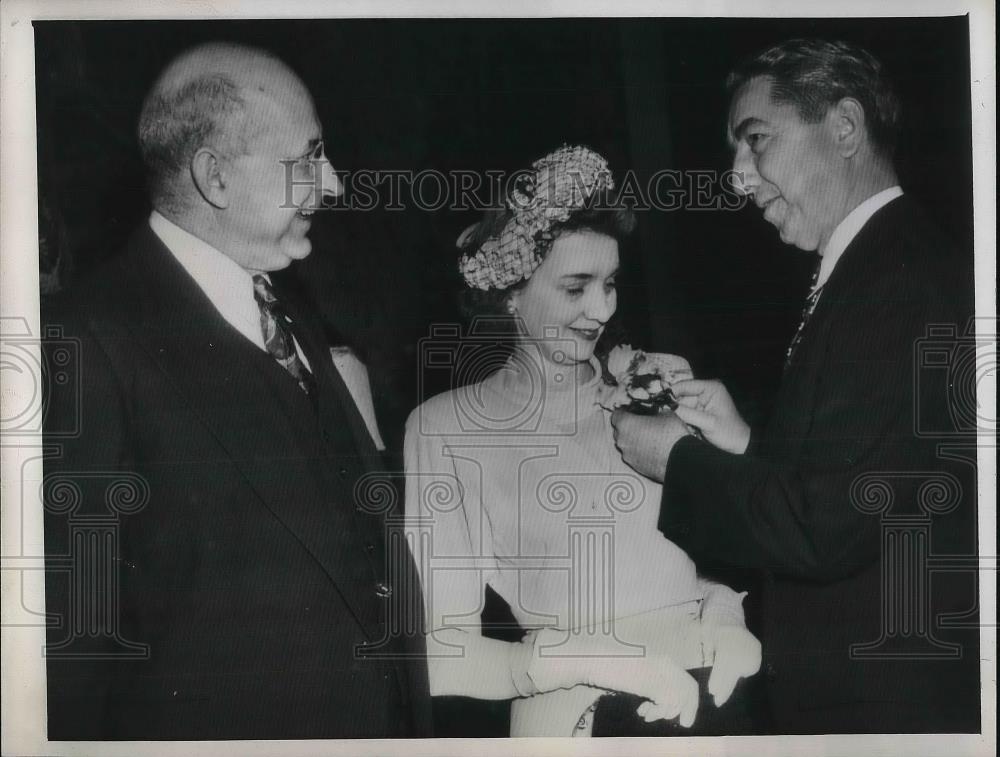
(800, 517)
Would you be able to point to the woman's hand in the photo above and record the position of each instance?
(731, 650)
(734, 653)
(562, 660)
(670, 690)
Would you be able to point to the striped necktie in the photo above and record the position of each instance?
(807, 311)
(275, 325)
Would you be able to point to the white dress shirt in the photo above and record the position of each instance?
(847, 229)
(229, 288)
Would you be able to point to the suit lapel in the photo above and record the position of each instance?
(255, 411)
(810, 364)
(341, 421)
(336, 406)
(861, 257)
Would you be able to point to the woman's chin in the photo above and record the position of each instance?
(584, 348)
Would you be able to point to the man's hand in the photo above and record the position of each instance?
(708, 406)
(645, 441)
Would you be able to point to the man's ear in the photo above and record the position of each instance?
(207, 174)
(848, 124)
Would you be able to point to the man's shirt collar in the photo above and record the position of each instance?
(847, 229)
(228, 286)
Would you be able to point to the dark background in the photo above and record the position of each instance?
(718, 287)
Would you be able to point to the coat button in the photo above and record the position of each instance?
(369, 548)
(770, 672)
(383, 590)
(342, 473)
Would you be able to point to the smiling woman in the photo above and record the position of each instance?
(597, 223)
(570, 540)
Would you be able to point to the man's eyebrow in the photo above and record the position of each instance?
(743, 127)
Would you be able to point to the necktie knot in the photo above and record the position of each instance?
(262, 291)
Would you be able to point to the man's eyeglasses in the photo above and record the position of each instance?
(304, 166)
(317, 152)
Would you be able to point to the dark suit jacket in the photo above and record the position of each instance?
(241, 556)
(850, 432)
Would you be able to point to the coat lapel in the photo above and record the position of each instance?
(336, 406)
(255, 411)
(341, 421)
(861, 257)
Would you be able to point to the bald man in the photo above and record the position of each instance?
(250, 591)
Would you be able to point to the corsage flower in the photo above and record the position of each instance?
(641, 381)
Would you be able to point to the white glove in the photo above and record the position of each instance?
(561, 660)
(731, 650)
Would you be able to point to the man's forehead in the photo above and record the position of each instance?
(292, 125)
(753, 106)
(752, 100)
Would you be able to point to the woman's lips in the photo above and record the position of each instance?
(589, 334)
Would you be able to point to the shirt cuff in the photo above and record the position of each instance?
(521, 654)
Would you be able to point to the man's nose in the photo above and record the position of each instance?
(745, 178)
(329, 181)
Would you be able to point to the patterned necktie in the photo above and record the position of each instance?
(807, 311)
(278, 335)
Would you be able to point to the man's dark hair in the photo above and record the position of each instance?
(814, 74)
